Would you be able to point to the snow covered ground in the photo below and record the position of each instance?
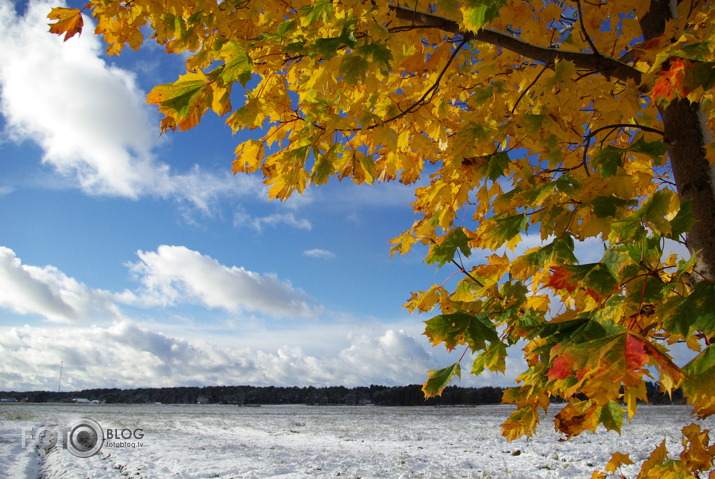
(191, 441)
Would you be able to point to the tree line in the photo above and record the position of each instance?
(410, 395)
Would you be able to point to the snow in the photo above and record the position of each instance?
(291, 442)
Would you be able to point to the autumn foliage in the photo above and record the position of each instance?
(554, 121)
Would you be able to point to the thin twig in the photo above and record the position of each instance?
(429, 92)
(613, 127)
(468, 274)
(546, 67)
(583, 29)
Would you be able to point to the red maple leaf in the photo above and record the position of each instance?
(636, 356)
(562, 368)
(594, 294)
(560, 279)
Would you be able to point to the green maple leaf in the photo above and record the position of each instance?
(492, 358)
(700, 381)
(477, 13)
(609, 206)
(497, 164)
(608, 160)
(612, 416)
(444, 252)
(508, 226)
(186, 99)
(354, 68)
(655, 149)
(596, 276)
(460, 327)
(695, 313)
(655, 210)
(238, 64)
(559, 251)
(379, 53)
(683, 221)
(321, 10)
(438, 379)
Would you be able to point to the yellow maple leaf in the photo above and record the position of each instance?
(67, 20)
(617, 460)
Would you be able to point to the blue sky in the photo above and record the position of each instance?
(137, 259)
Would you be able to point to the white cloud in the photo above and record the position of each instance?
(241, 218)
(173, 275)
(176, 274)
(394, 358)
(88, 117)
(319, 253)
(127, 355)
(49, 292)
(120, 353)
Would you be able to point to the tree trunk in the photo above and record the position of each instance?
(693, 175)
(693, 178)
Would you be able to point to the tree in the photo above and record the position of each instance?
(563, 120)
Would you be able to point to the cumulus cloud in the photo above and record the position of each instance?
(127, 355)
(48, 292)
(172, 275)
(176, 274)
(319, 253)
(393, 358)
(88, 117)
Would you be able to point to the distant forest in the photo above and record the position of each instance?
(256, 395)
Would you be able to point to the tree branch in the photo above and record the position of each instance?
(588, 137)
(624, 125)
(610, 67)
(423, 100)
(429, 93)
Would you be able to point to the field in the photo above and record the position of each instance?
(192, 441)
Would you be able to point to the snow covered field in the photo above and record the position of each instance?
(186, 441)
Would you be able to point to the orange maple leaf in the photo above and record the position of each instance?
(69, 21)
(663, 89)
(671, 80)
